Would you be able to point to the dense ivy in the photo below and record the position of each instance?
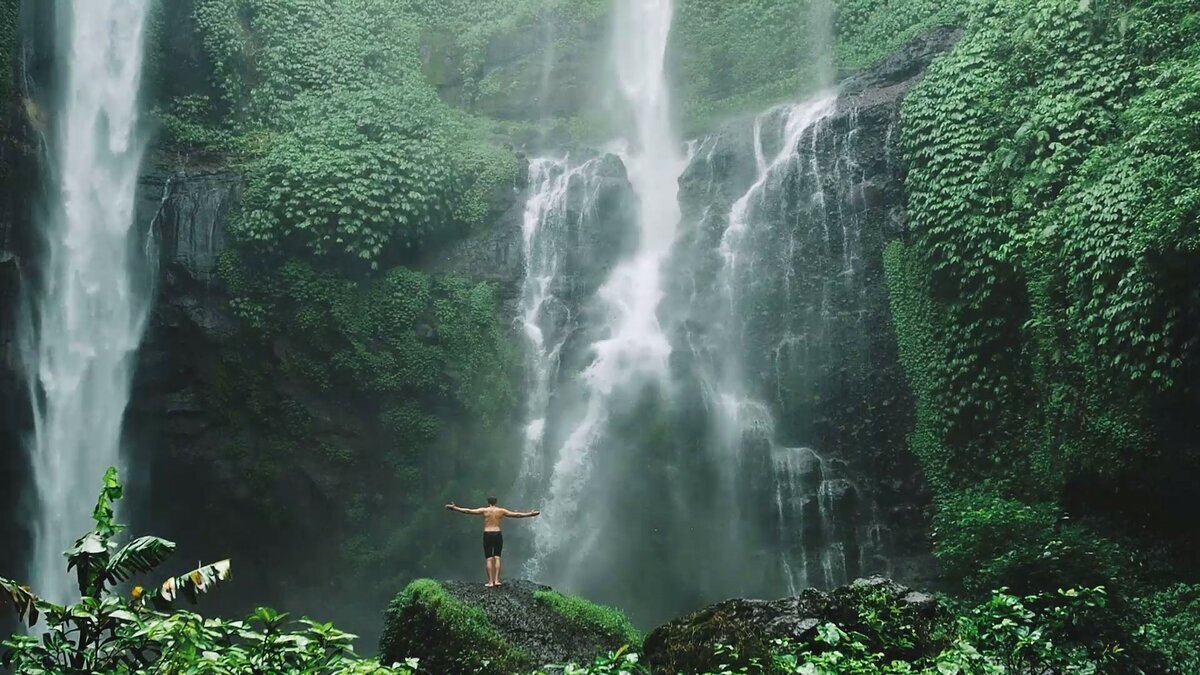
(1045, 301)
(350, 152)
(869, 30)
(1052, 207)
(354, 171)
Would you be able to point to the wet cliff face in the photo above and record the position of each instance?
(781, 434)
(785, 219)
(819, 410)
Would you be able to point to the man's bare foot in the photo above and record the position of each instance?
(499, 583)
(489, 585)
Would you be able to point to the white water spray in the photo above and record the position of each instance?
(634, 348)
(89, 312)
(545, 319)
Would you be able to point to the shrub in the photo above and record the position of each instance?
(988, 541)
(108, 633)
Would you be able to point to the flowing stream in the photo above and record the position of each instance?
(88, 309)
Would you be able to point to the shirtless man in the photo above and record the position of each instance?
(493, 540)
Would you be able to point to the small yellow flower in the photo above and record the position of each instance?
(137, 592)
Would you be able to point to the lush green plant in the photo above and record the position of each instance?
(353, 171)
(1039, 303)
(418, 368)
(1041, 296)
(620, 662)
(1171, 627)
(869, 30)
(1044, 633)
(990, 542)
(266, 54)
(108, 633)
(740, 57)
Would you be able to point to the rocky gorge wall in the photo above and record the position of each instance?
(788, 413)
(843, 396)
(786, 217)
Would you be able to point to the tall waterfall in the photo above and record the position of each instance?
(631, 349)
(562, 196)
(703, 402)
(88, 308)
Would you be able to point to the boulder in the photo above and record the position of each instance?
(461, 627)
(894, 619)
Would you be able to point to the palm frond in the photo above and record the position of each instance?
(191, 585)
(138, 557)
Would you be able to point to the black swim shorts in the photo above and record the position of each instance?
(493, 543)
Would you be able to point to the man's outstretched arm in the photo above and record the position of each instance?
(470, 512)
(521, 514)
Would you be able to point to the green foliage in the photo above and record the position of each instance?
(353, 171)
(988, 542)
(1038, 151)
(107, 633)
(266, 54)
(740, 57)
(514, 59)
(1006, 634)
(1043, 633)
(593, 618)
(1172, 627)
(385, 388)
(620, 662)
(351, 153)
(468, 642)
(869, 30)
(1041, 297)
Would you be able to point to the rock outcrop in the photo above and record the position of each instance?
(689, 644)
(461, 627)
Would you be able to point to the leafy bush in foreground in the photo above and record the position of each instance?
(108, 633)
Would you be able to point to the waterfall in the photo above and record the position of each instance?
(89, 307)
(546, 308)
(631, 350)
(741, 418)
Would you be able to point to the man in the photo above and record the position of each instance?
(493, 540)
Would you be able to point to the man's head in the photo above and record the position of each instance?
(491, 501)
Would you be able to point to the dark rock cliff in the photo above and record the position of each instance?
(26, 60)
(798, 280)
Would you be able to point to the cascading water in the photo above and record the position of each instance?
(700, 422)
(546, 308)
(88, 310)
(632, 350)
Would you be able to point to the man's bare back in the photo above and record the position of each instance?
(492, 515)
(493, 541)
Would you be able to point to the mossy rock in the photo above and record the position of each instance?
(894, 620)
(460, 627)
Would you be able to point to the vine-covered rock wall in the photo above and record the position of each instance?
(1046, 296)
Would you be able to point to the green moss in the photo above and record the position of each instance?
(590, 617)
(448, 636)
